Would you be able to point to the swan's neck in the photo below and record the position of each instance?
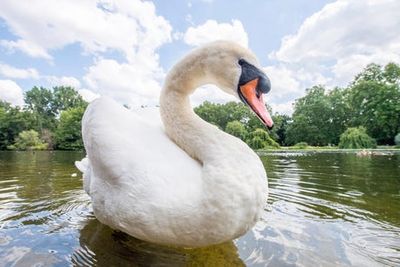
(198, 138)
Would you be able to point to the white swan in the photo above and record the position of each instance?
(189, 183)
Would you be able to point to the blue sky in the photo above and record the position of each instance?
(124, 48)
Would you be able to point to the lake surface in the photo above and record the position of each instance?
(325, 209)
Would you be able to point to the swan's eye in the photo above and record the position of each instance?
(241, 61)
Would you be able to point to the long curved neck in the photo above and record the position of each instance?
(197, 137)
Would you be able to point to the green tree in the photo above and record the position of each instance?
(373, 72)
(392, 73)
(28, 140)
(356, 138)
(339, 114)
(39, 101)
(236, 128)
(377, 107)
(281, 124)
(13, 120)
(311, 119)
(68, 133)
(260, 138)
(65, 97)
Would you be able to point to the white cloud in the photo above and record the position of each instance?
(332, 46)
(212, 31)
(11, 92)
(130, 27)
(63, 81)
(282, 108)
(27, 47)
(128, 83)
(210, 93)
(16, 73)
(345, 36)
(88, 95)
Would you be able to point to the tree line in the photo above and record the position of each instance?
(363, 114)
(50, 119)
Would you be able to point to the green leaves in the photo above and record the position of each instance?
(68, 132)
(356, 138)
(28, 140)
(372, 100)
(43, 114)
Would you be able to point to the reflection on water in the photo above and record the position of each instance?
(325, 209)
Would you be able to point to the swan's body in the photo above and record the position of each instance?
(187, 183)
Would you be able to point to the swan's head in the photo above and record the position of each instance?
(236, 71)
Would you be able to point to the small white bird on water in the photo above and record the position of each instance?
(177, 179)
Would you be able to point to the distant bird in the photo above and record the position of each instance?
(364, 153)
(186, 183)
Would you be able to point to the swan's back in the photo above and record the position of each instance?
(129, 149)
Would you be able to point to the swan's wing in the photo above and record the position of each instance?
(131, 147)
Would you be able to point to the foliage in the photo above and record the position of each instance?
(236, 128)
(311, 119)
(28, 140)
(12, 121)
(259, 138)
(65, 97)
(371, 100)
(397, 139)
(279, 131)
(68, 132)
(356, 138)
(377, 108)
(39, 101)
(301, 145)
(41, 113)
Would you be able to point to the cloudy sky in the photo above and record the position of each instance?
(124, 48)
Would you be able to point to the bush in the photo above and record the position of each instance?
(259, 138)
(397, 139)
(28, 140)
(68, 133)
(356, 138)
(301, 145)
(236, 128)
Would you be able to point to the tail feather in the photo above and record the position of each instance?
(85, 167)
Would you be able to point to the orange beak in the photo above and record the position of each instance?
(256, 102)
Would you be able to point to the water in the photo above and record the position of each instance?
(325, 209)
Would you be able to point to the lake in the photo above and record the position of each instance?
(324, 209)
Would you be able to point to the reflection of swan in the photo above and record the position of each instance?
(190, 184)
(101, 246)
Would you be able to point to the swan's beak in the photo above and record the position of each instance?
(252, 96)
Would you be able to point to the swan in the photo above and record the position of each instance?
(169, 177)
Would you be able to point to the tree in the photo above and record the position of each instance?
(281, 124)
(236, 128)
(311, 119)
(39, 101)
(28, 140)
(339, 114)
(260, 138)
(12, 121)
(65, 97)
(356, 138)
(392, 73)
(68, 132)
(377, 107)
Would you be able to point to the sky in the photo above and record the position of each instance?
(124, 48)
